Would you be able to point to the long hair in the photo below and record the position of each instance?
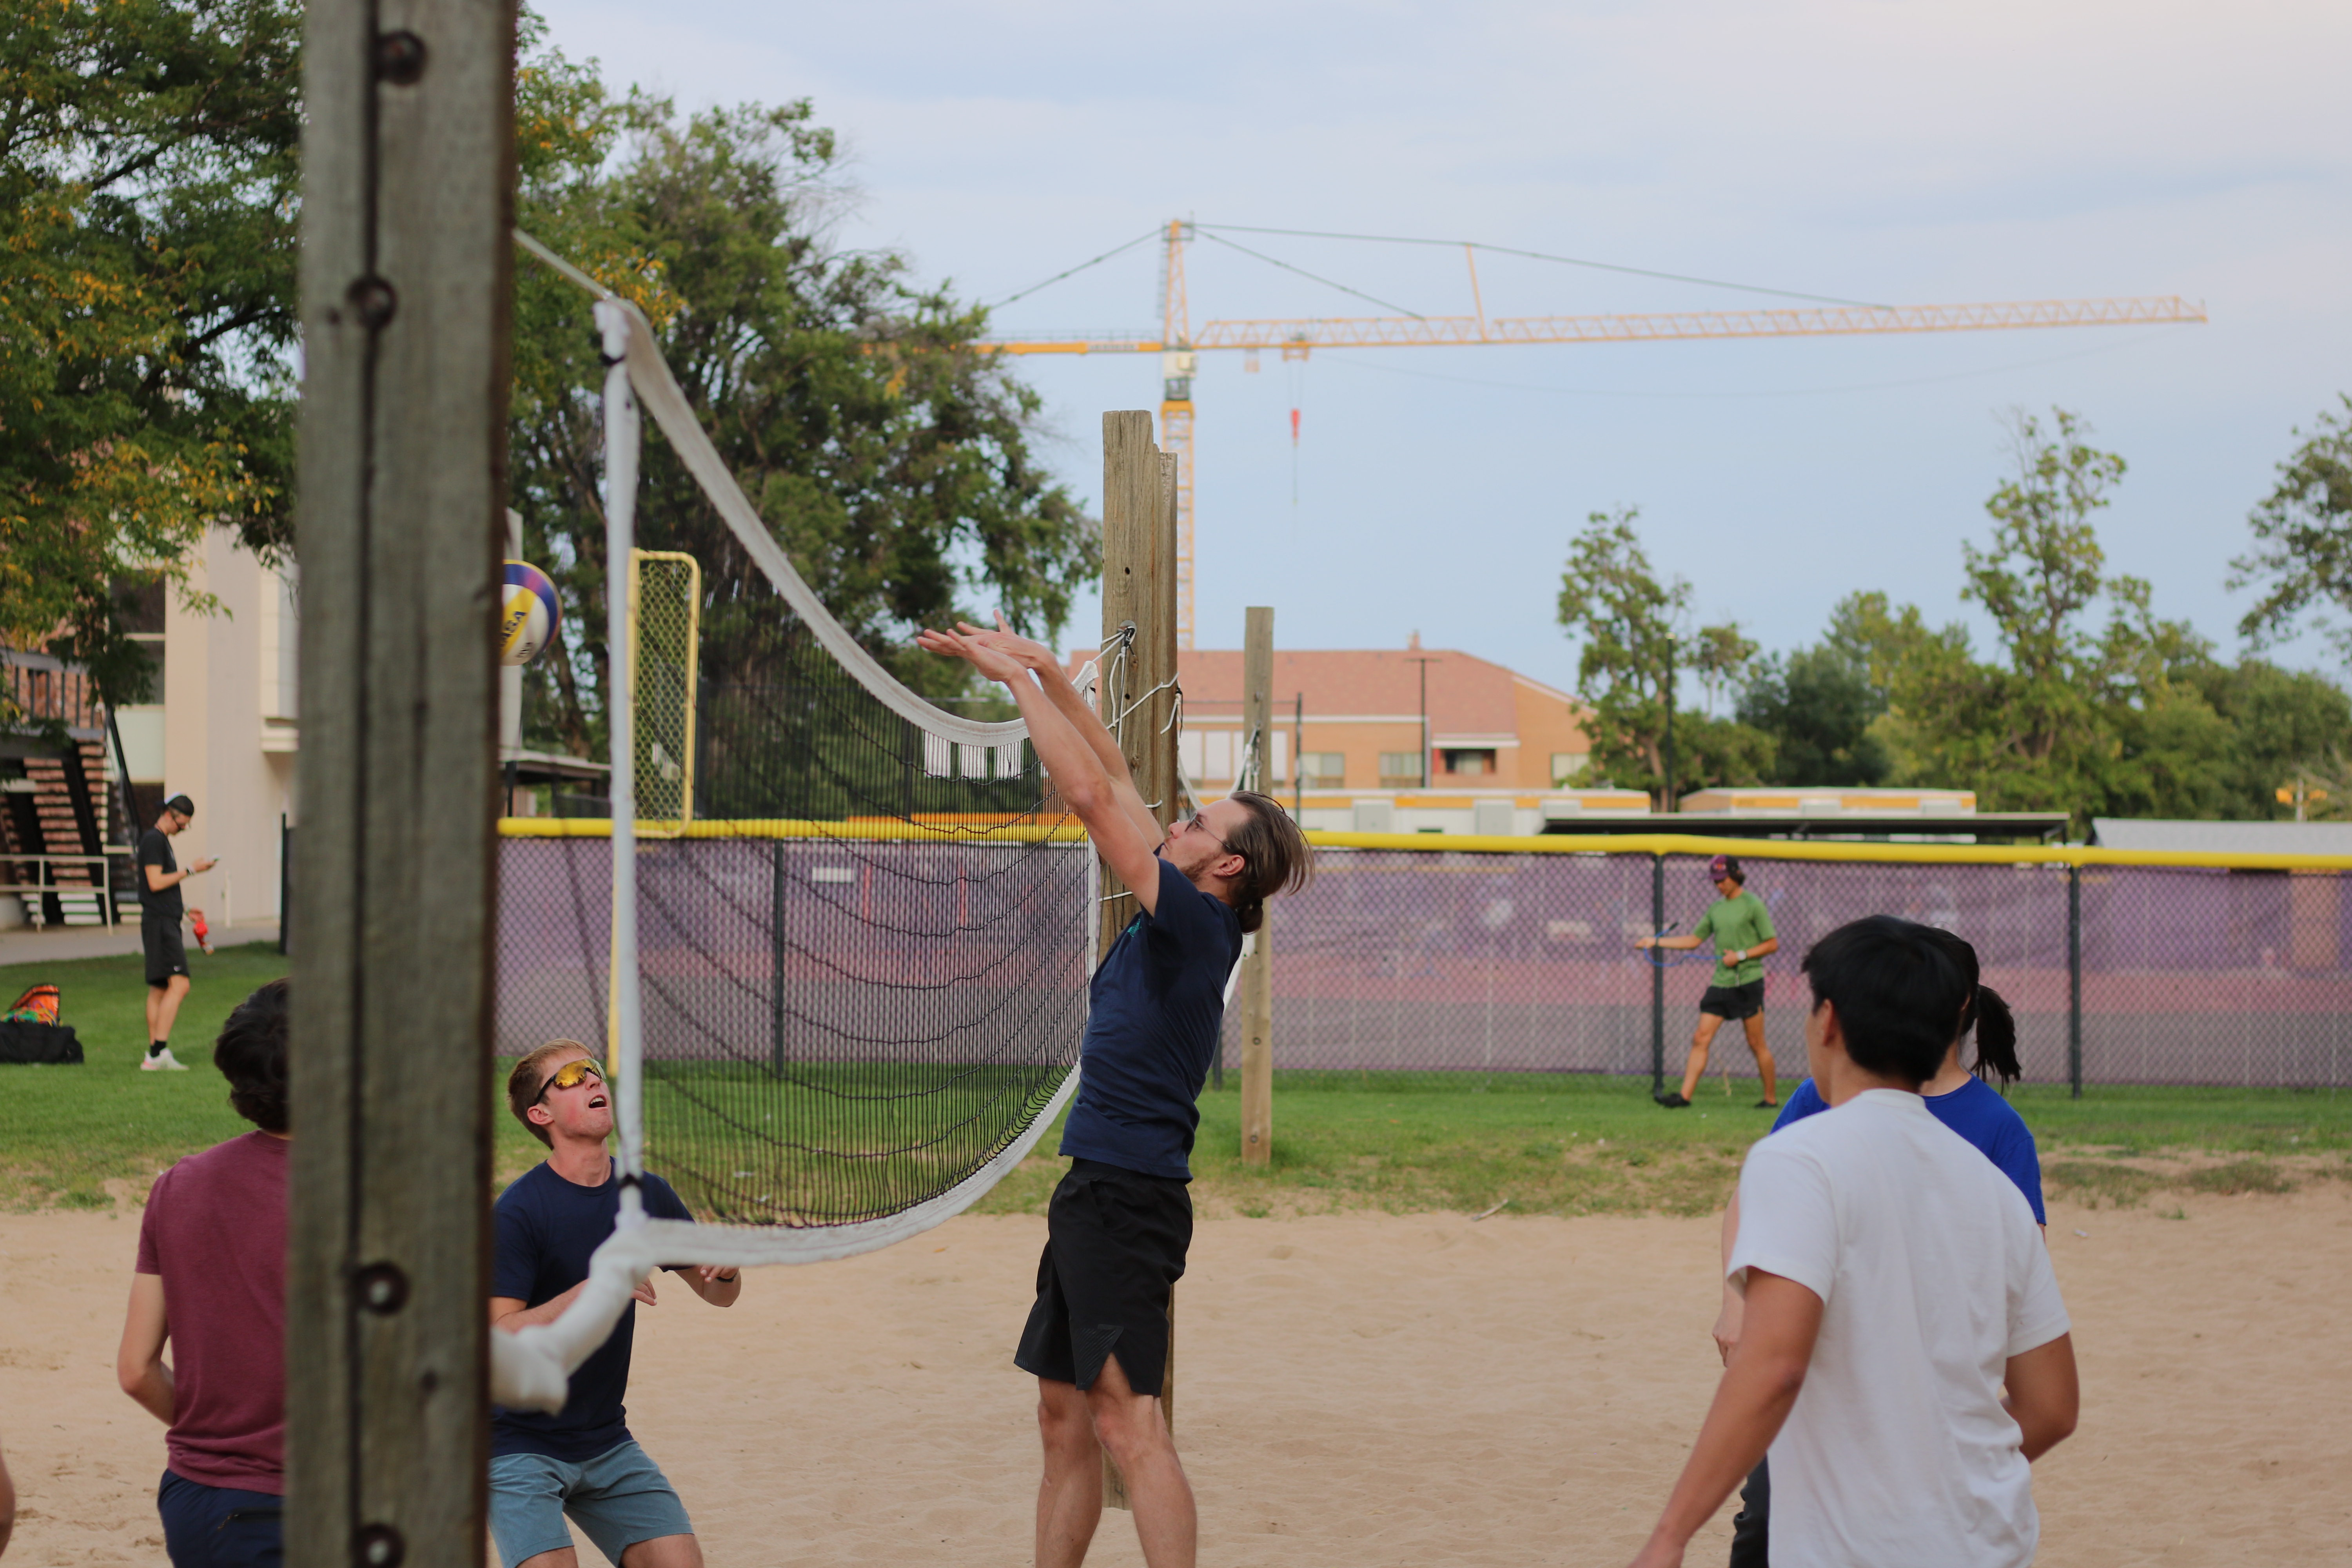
(1986, 1013)
(1275, 857)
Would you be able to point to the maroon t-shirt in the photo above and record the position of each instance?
(216, 1231)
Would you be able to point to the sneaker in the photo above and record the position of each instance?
(1673, 1100)
(1768, 1105)
(163, 1061)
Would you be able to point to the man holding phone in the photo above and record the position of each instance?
(161, 910)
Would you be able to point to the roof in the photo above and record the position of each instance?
(2224, 837)
(1467, 695)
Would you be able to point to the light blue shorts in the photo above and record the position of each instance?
(618, 1498)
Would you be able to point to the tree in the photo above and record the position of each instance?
(891, 460)
(147, 187)
(2302, 534)
(1611, 602)
(1818, 705)
(1723, 659)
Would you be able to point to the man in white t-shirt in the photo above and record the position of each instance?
(1894, 1280)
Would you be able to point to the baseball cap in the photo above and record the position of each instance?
(181, 804)
(1725, 866)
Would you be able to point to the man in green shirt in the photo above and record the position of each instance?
(1742, 929)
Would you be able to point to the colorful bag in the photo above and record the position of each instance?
(38, 1005)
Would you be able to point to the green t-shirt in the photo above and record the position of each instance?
(1736, 923)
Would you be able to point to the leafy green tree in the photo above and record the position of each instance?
(891, 461)
(1818, 705)
(1613, 602)
(1722, 657)
(147, 185)
(2302, 534)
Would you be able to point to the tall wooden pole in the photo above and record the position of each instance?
(408, 175)
(1139, 590)
(1257, 967)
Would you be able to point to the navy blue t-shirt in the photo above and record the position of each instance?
(1976, 1112)
(1158, 1008)
(548, 1228)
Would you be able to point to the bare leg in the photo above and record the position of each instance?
(563, 1557)
(154, 1010)
(1764, 1066)
(166, 1006)
(661, 1551)
(1069, 1499)
(1701, 1038)
(1129, 1425)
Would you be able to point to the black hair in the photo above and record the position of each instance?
(1985, 1012)
(181, 805)
(1896, 992)
(251, 1054)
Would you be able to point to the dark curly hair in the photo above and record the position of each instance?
(251, 1054)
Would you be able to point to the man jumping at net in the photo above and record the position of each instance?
(1120, 1222)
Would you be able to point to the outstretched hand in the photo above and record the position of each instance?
(965, 643)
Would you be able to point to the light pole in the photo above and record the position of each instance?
(1424, 660)
(1667, 801)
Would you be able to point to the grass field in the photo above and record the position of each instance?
(1549, 1144)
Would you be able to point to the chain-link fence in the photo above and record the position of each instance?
(665, 621)
(1422, 960)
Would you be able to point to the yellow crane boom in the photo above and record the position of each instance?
(1298, 334)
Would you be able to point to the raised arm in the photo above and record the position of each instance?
(1069, 702)
(1125, 838)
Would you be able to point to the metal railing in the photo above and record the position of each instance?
(45, 883)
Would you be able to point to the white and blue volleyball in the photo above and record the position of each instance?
(527, 618)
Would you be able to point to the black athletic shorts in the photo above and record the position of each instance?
(1734, 1001)
(1115, 1246)
(166, 954)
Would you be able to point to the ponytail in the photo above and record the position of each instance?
(1996, 1038)
(1275, 855)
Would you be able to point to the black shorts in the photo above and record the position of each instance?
(1734, 1001)
(166, 954)
(1115, 1246)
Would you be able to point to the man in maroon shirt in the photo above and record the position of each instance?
(212, 1279)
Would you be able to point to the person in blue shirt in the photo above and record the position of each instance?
(1120, 1223)
(1960, 1098)
(581, 1462)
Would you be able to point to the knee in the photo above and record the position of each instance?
(1065, 1423)
(1130, 1428)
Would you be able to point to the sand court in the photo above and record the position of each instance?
(1352, 1390)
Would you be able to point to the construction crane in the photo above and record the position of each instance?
(1178, 346)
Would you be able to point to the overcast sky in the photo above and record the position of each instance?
(1898, 153)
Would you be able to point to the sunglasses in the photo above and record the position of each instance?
(571, 1075)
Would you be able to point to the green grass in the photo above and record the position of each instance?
(1547, 1144)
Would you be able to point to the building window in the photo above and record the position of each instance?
(1469, 763)
(1322, 770)
(1569, 765)
(1401, 769)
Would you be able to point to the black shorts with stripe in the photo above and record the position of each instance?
(1115, 1246)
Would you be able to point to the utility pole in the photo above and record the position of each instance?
(1666, 801)
(407, 209)
(1138, 596)
(1424, 660)
(1257, 964)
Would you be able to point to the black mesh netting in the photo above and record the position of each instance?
(838, 1024)
(1411, 960)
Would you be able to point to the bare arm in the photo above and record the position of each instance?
(719, 1287)
(2044, 1395)
(8, 1507)
(1126, 844)
(1071, 704)
(1678, 944)
(1770, 944)
(1734, 1306)
(158, 878)
(1754, 1397)
(139, 1363)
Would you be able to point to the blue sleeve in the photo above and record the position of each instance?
(662, 1202)
(1185, 924)
(1806, 1102)
(514, 1257)
(2021, 1163)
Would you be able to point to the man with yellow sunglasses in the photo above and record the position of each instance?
(581, 1462)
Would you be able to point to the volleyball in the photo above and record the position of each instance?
(527, 620)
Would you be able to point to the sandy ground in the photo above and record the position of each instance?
(1352, 1390)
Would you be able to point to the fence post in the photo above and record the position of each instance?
(776, 959)
(1257, 968)
(1657, 977)
(2075, 980)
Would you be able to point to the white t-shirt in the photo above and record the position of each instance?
(1932, 1274)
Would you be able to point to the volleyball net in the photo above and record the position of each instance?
(1419, 955)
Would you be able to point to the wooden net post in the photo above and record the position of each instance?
(407, 198)
(1257, 968)
(1139, 590)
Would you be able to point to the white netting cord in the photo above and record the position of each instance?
(624, 1049)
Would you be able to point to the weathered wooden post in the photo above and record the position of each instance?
(1139, 590)
(1257, 967)
(406, 209)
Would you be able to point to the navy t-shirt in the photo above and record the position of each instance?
(1158, 1009)
(156, 849)
(548, 1228)
(1976, 1112)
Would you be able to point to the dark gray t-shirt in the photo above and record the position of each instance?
(156, 849)
(1158, 1008)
